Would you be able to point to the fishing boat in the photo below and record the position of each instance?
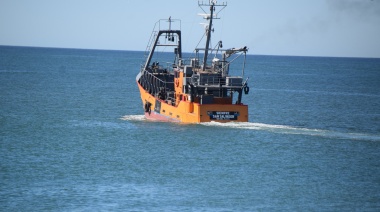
(194, 88)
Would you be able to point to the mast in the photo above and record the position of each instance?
(212, 15)
(208, 35)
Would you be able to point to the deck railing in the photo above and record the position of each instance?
(153, 84)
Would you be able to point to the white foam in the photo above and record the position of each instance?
(94, 123)
(285, 129)
(133, 118)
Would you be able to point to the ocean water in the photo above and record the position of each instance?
(73, 138)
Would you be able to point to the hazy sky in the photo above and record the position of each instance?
(345, 28)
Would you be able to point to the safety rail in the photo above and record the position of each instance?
(204, 80)
(208, 80)
(153, 84)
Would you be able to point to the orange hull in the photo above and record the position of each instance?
(191, 112)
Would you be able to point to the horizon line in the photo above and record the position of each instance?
(132, 50)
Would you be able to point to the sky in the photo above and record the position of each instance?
(336, 28)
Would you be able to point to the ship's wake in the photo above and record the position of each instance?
(284, 129)
(281, 129)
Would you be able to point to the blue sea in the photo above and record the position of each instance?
(73, 138)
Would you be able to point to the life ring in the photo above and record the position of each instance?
(246, 89)
(177, 82)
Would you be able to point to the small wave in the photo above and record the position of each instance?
(333, 93)
(284, 129)
(14, 71)
(133, 118)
